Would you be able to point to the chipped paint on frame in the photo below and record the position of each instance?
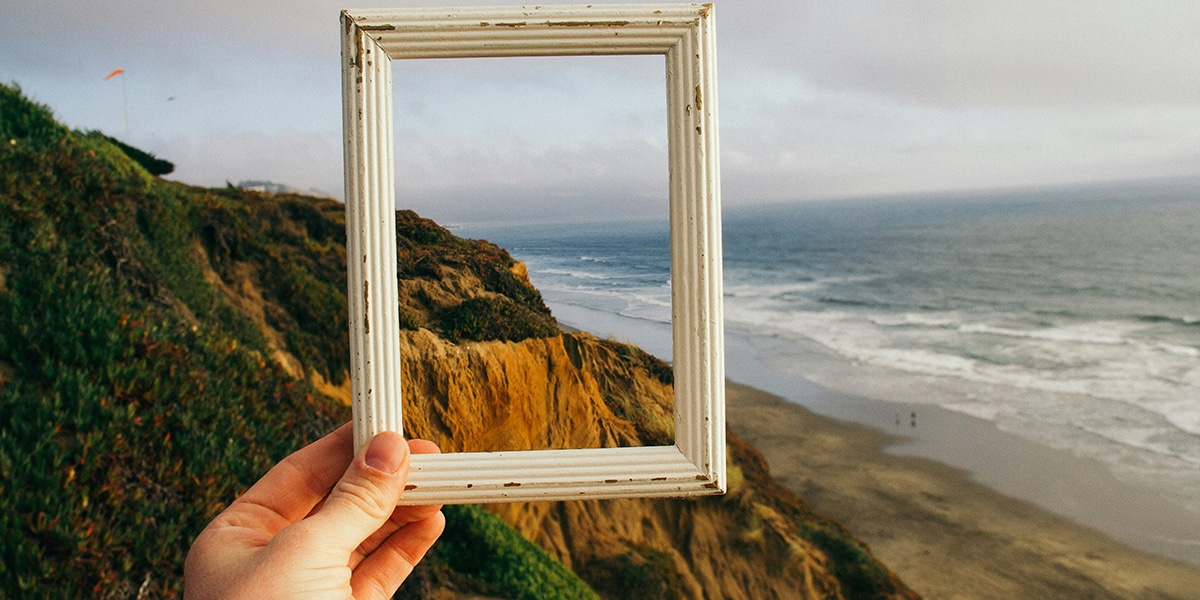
(684, 35)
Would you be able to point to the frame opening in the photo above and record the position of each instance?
(684, 35)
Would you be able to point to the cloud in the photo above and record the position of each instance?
(814, 143)
(978, 52)
(549, 136)
(817, 99)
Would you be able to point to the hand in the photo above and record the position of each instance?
(313, 528)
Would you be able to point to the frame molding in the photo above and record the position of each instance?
(684, 34)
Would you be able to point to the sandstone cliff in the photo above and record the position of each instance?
(574, 390)
(549, 389)
(162, 345)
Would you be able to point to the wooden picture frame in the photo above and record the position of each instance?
(683, 33)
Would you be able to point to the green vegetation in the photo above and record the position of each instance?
(494, 318)
(136, 398)
(505, 307)
(640, 358)
(428, 250)
(642, 573)
(151, 163)
(24, 121)
(140, 393)
(859, 574)
(478, 545)
(653, 428)
(289, 251)
(127, 425)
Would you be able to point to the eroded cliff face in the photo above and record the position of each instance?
(553, 390)
(140, 321)
(529, 395)
(575, 390)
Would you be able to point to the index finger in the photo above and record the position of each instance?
(299, 482)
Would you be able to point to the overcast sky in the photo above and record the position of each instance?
(817, 100)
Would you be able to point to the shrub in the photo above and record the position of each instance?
(135, 400)
(634, 575)
(479, 544)
(654, 428)
(657, 367)
(25, 121)
(124, 434)
(153, 164)
(860, 575)
(426, 250)
(495, 318)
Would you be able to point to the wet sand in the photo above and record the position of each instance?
(946, 533)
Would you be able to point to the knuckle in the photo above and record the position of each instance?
(364, 495)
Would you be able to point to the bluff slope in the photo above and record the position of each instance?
(162, 345)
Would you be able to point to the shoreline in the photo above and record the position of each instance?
(985, 511)
(944, 533)
(1079, 489)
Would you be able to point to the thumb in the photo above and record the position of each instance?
(365, 497)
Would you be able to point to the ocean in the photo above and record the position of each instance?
(1067, 316)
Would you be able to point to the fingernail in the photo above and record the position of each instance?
(386, 452)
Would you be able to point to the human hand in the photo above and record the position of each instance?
(323, 523)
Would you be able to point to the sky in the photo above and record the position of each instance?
(817, 100)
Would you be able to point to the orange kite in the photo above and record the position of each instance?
(113, 74)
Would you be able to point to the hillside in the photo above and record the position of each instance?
(162, 345)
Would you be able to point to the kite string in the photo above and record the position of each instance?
(125, 96)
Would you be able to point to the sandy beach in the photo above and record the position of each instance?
(926, 499)
(943, 531)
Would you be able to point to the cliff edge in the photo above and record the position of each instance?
(575, 390)
(162, 345)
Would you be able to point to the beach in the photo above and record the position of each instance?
(995, 391)
(946, 534)
(955, 506)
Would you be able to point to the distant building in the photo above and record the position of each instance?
(269, 187)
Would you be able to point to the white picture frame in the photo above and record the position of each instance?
(683, 33)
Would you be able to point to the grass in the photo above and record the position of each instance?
(643, 572)
(505, 307)
(860, 575)
(129, 423)
(494, 318)
(135, 400)
(653, 428)
(484, 548)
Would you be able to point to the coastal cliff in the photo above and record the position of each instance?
(162, 345)
(756, 542)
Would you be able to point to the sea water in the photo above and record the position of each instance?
(1068, 316)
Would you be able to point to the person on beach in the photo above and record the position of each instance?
(323, 523)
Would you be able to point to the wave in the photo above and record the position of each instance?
(1146, 438)
(1178, 350)
(1082, 334)
(1186, 320)
(1186, 419)
(1024, 338)
(915, 320)
(651, 312)
(772, 291)
(1102, 359)
(572, 273)
(852, 302)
